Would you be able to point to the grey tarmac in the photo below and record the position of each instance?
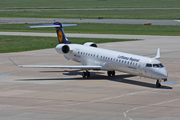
(62, 94)
(106, 21)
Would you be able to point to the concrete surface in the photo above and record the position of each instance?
(107, 21)
(62, 94)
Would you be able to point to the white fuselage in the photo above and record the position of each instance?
(116, 61)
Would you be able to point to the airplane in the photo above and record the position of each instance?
(93, 58)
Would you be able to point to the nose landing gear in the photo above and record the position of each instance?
(158, 83)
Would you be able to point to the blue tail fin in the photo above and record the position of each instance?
(60, 34)
(59, 30)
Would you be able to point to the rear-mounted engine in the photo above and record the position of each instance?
(91, 44)
(62, 48)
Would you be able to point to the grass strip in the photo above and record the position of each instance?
(24, 43)
(94, 14)
(94, 28)
(34, 4)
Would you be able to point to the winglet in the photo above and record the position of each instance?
(13, 62)
(158, 54)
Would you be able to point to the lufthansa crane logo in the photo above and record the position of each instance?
(60, 36)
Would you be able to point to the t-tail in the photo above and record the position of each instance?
(59, 30)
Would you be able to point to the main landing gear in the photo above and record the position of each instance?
(86, 74)
(111, 73)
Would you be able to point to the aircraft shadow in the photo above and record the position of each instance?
(98, 76)
(143, 84)
(72, 72)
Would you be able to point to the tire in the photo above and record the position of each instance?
(88, 74)
(109, 73)
(83, 74)
(113, 73)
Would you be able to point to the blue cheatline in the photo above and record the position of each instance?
(170, 83)
(4, 75)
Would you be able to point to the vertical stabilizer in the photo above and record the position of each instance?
(158, 54)
(60, 34)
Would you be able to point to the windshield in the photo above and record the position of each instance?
(160, 65)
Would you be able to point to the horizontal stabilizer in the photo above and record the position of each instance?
(50, 25)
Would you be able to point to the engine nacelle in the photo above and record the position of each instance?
(62, 48)
(91, 44)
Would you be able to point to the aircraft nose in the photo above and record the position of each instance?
(164, 73)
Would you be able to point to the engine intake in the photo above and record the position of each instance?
(62, 48)
(91, 44)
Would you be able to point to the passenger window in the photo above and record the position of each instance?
(156, 65)
(148, 65)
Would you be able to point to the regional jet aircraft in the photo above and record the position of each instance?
(93, 58)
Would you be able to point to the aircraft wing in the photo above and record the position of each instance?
(58, 66)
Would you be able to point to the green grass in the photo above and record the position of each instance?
(32, 4)
(94, 14)
(93, 28)
(23, 43)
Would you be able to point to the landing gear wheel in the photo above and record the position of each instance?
(83, 74)
(158, 84)
(111, 73)
(86, 74)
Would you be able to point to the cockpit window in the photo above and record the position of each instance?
(156, 65)
(161, 65)
(148, 65)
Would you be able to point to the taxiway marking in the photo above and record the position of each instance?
(125, 113)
